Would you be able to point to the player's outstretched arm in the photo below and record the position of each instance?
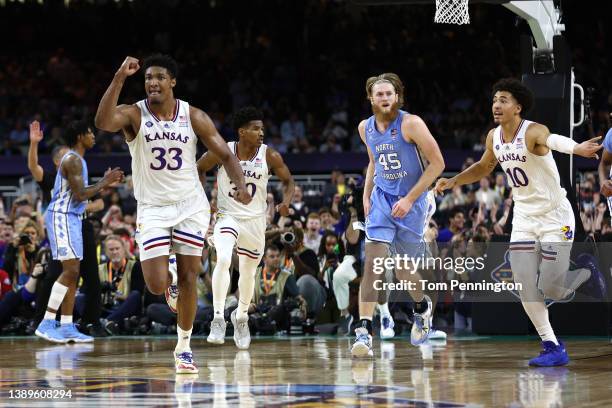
(539, 135)
(109, 116)
(206, 131)
(277, 165)
(368, 185)
(475, 172)
(72, 169)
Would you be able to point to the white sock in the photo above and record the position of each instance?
(221, 274)
(66, 319)
(538, 314)
(184, 337)
(384, 310)
(58, 292)
(50, 315)
(246, 284)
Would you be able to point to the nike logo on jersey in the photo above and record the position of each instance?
(167, 136)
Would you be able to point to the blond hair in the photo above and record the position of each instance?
(388, 77)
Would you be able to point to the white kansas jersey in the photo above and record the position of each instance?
(164, 157)
(256, 177)
(535, 182)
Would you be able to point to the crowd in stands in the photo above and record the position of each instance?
(309, 274)
(304, 63)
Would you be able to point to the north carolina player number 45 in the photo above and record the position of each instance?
(389, 161)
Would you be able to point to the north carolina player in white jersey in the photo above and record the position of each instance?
(243, 225)
(162, 132)
(543, 224)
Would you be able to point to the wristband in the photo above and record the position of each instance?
(560, 143)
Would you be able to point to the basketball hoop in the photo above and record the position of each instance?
(452, 12)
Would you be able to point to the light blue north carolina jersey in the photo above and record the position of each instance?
(607, 144)
(398, 167)
(398, 163)
(62, 197)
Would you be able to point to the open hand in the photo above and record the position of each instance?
(401, 208)
(113, 177)
(589, 148)
(36, 135)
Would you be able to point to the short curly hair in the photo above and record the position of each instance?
(161, 60)
(520, 92)
(74, 130)
(245, 115)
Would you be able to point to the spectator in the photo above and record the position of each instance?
(23, 290)
(487, 196)
(456, 224)
(276, 293)
(312, 238)
(20, 255)
(303, 264)
(328, 222)
(297, 203)
(122, 285)
(455, 199)
(292, 130)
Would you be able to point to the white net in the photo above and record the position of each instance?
(452, 12)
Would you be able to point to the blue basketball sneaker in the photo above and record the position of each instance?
(363, 343)
(421, 325)
(386, 327)
(596, 285)
(72, 335)
(552, 355)
(47, 329)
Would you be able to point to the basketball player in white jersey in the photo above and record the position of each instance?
(543, 224)
(162, 132)
(243, 225)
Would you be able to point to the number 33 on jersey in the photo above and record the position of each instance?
(164, 157)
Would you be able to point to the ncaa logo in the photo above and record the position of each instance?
(149, 124)
(496, 147)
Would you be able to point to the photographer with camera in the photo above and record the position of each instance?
(21, 252)
(276, 298)
(24, 264)
(304, 265)
(122, 286)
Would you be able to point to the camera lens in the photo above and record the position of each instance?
(288, 238)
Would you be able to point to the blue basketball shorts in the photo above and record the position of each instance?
(404, 235)
(65, 235)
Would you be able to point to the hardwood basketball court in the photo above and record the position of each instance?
(304, 371)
